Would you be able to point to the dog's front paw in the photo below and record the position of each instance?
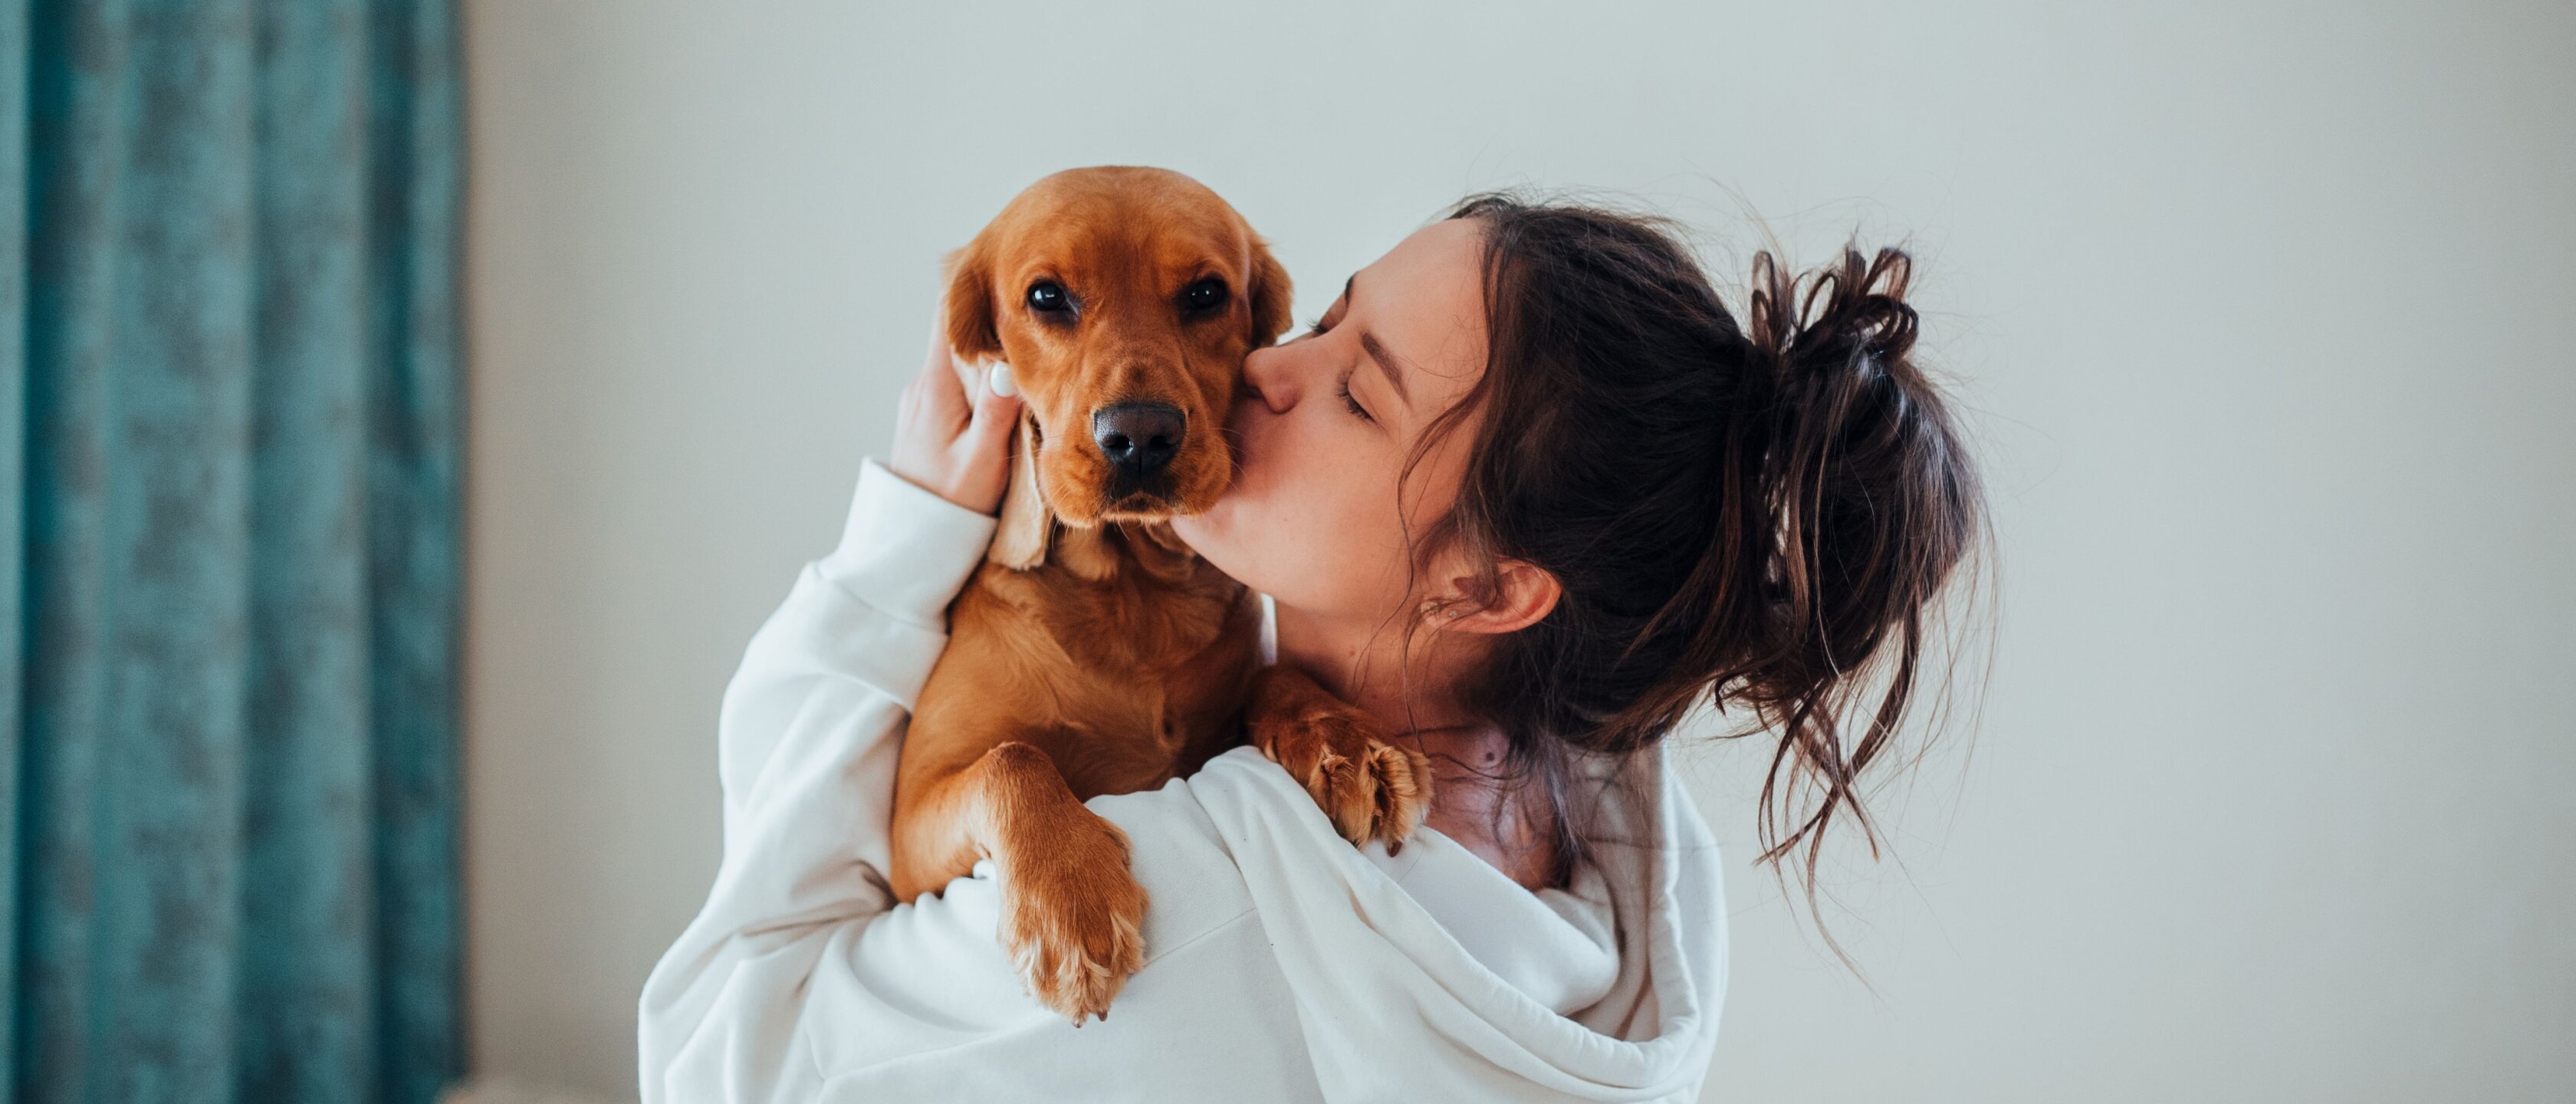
(1369, 788)
(1072, 914)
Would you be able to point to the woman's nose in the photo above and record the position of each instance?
(1266, 372)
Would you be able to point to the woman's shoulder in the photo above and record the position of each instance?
(1195, 842)
(1180, 855)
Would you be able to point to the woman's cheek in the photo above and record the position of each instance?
(1294, 531)
(1329, 540)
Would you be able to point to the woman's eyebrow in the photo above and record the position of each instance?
(1387, 362)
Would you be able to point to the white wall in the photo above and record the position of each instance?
(2263, 309)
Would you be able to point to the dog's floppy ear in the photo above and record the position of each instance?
(1272, 295)
(971, 333)
(1020, 541)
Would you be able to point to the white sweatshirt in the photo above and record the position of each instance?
(1282, 964)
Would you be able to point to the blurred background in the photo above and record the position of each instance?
(2260, 310)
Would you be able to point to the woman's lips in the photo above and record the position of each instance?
(1238, 429)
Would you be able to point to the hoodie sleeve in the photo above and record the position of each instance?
(807, 740)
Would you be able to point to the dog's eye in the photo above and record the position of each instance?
(1048, 296)
(1205, 295)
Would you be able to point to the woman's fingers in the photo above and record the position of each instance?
(956, 445)
(941, 392)
(985, 447)
(997, 406)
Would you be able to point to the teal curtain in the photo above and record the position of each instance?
(229, 427)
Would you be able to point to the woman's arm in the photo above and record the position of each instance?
(812, 723)
(807, 741)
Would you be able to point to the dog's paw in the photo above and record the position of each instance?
(1072, 915)
(1369, 788)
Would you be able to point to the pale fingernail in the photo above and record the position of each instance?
(1000, 381)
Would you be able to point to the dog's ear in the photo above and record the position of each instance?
(1272, 295)
(1020, 541)
(971, 332)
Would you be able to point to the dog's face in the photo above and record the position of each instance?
(1124, 300)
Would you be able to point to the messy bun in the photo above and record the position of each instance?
(1759, 515)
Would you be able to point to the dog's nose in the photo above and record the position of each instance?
(1139, 437)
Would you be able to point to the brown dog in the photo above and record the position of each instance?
(1095, 654)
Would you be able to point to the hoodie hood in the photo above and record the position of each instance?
(1375, 975)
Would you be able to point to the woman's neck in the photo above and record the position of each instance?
(1413, 694)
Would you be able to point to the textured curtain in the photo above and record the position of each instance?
(228, 450)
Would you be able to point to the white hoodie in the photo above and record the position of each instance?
(1282, 964)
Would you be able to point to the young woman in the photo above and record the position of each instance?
(1528, 492)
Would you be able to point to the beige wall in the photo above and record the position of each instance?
(2263, 309)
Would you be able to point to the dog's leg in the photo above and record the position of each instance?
(1369, 788)
(1071, 908)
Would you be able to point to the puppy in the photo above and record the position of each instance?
(1094, 653)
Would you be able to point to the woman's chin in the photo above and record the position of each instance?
(1199, 530)
(1211, 535)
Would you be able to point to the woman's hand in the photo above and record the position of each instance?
(953, 446)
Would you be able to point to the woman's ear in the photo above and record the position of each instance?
(1521, 595)
(971, 333)
(1272, 296)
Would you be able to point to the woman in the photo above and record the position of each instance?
(1527, 493)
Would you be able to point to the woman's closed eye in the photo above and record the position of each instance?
(1352, 403)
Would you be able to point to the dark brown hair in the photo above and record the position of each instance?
(1760, 515)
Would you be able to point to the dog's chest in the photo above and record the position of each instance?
(1152, 679)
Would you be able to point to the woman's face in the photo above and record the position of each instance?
(1327, 421)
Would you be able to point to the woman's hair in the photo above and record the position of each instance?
(1764, 512)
